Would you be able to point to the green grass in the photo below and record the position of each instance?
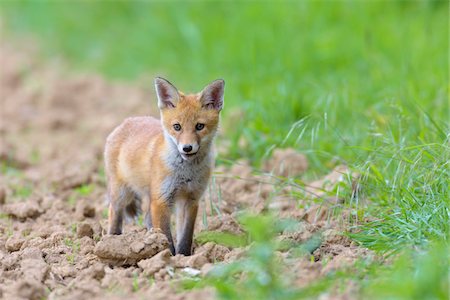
(411, 190)
(413, 276)
(347, 64)
(358, 82)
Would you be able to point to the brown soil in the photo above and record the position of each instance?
(53, 212)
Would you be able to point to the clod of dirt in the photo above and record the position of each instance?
(22, 210)
(305, 271)
(64, 269)
(10, 261)
(74, 181)
(235, 254)
(224, 223)
(195, 261)
(166, 290)
(95, 271)
(34, 269)
(120, 278)
(332, 236)
(286, 163)
(214, 252)
(28, 289)
(84, 210)
(14, 243)
(87, 245)
(31, 253)
(342, 257)
(130, 248)
(156, 263)
(206, 269)
(84, 229)
(238, 188)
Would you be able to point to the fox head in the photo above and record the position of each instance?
(190, 122)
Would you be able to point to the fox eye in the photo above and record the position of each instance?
(199, 126)
(177, 127)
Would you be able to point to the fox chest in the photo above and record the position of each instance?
(186, 181)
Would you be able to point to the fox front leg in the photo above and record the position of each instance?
(160, 212)
(186, 211)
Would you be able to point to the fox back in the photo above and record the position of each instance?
(164, 163)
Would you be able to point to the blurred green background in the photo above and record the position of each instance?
(352, 66)
(358, 82)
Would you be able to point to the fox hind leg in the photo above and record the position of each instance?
(148, 220)
(120, 199)
(133, 207)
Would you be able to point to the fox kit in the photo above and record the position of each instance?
(164, 163)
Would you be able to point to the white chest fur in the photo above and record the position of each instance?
(188, 177)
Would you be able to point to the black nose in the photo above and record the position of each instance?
(187, 148)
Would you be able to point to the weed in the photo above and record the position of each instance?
(73, 228)
(85, 189)
(135, 282)
(74, 245)
(70, 258)
(22, 191)
(257, 275)
(223, 238)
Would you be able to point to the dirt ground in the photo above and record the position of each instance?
(52, 197)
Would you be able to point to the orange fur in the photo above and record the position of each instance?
(145, 159)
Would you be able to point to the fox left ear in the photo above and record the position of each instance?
(212, 95)
(167, 93)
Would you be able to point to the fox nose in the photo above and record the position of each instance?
(187, 148)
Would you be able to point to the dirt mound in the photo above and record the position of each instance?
(129, 248)
(286, 163)
(53, 212)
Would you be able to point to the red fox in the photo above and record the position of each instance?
(164, 163)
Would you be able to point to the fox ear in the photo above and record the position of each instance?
(167, 93)
(212, 95)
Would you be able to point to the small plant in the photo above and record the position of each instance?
(135, 282)
(85, 189)
(22, 191)
(223, 238)
(258, 275)
(75, 248)
(70, 258)
(26, 232)
(74, 245)
(73, 228)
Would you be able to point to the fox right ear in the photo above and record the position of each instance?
(167, 93)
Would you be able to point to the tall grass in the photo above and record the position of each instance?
(408, 193)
